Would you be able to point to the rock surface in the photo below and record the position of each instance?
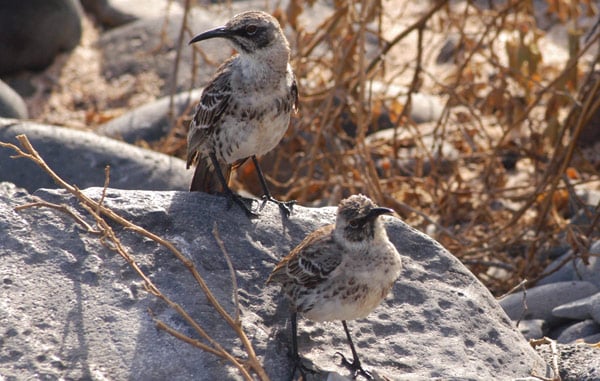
(150, 122)
(73, 309)
(80, 157)
(35, 31)
(140, 47)
(580, 309)
(532, 329)
(538, 302)
(578, 330)
(113, 13)
(576, 270)
(577, 362)
(11, 103)
(105, 12)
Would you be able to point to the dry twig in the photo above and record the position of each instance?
(555, 357)
(98, 212)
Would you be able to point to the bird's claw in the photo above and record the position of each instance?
(239, 200)
(355, 367)
(302, 368)
(285, 206)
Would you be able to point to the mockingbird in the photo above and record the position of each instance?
(245, 109)
(340, 272)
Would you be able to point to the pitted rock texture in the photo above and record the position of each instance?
(72, 308)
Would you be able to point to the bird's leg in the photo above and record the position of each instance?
(228, 192)
(298, 365)
(355, 365)
(284, 206)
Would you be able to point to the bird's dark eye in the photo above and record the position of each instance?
(353, 223)
(251, 29)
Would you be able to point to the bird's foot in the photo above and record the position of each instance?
(284, 206)
(302, 368)
(242, 202)
(355, 367)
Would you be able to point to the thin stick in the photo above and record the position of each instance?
(91, 206)
(555, 355)
(63, 208)
(234, 283)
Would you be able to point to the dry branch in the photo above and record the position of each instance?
(111, 241)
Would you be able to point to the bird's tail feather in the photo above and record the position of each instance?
(206, 179)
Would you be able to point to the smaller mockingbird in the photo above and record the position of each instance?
(245, 109)
(340, 272)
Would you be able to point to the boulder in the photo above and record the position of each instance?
(577, 331)
(11, 103)
(150, 122)
(80, 157)
(149, 45)
(113, 13)
(576, 270)
(35, 31)
(73, 309)
(538, 302)
(580, 309)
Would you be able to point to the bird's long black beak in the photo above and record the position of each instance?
(376, 212)
(212, 33)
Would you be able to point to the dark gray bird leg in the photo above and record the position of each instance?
(228, 192)
(298, 365)
(355, 365)
(284, 206)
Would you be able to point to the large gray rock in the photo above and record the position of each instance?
(577, 331)
(532, 329)
(133, 48)
(11, 103)
(538, 302)
(575, 270)
(112, 13)
(72, 309)
(35, 31)
(149, 44)
(150, 122)
(80, 157)
(580, 309)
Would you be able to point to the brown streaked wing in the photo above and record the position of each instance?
(309, 262)
(214, 101)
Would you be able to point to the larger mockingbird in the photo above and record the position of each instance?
(245, 109)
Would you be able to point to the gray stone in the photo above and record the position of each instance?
(35, 31)
(73, 309)
(423, 107)
(112, 13)
(578, 331)
(577, 362)
(580, 309)
(576, 269)
(426, 108)
(149, 122)
(541, 300)
(106, 13)
(595, 308)
(132, 48)
(11, 103)
(531, 329)
(80, 157)
(565, 273)
(591, 339)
